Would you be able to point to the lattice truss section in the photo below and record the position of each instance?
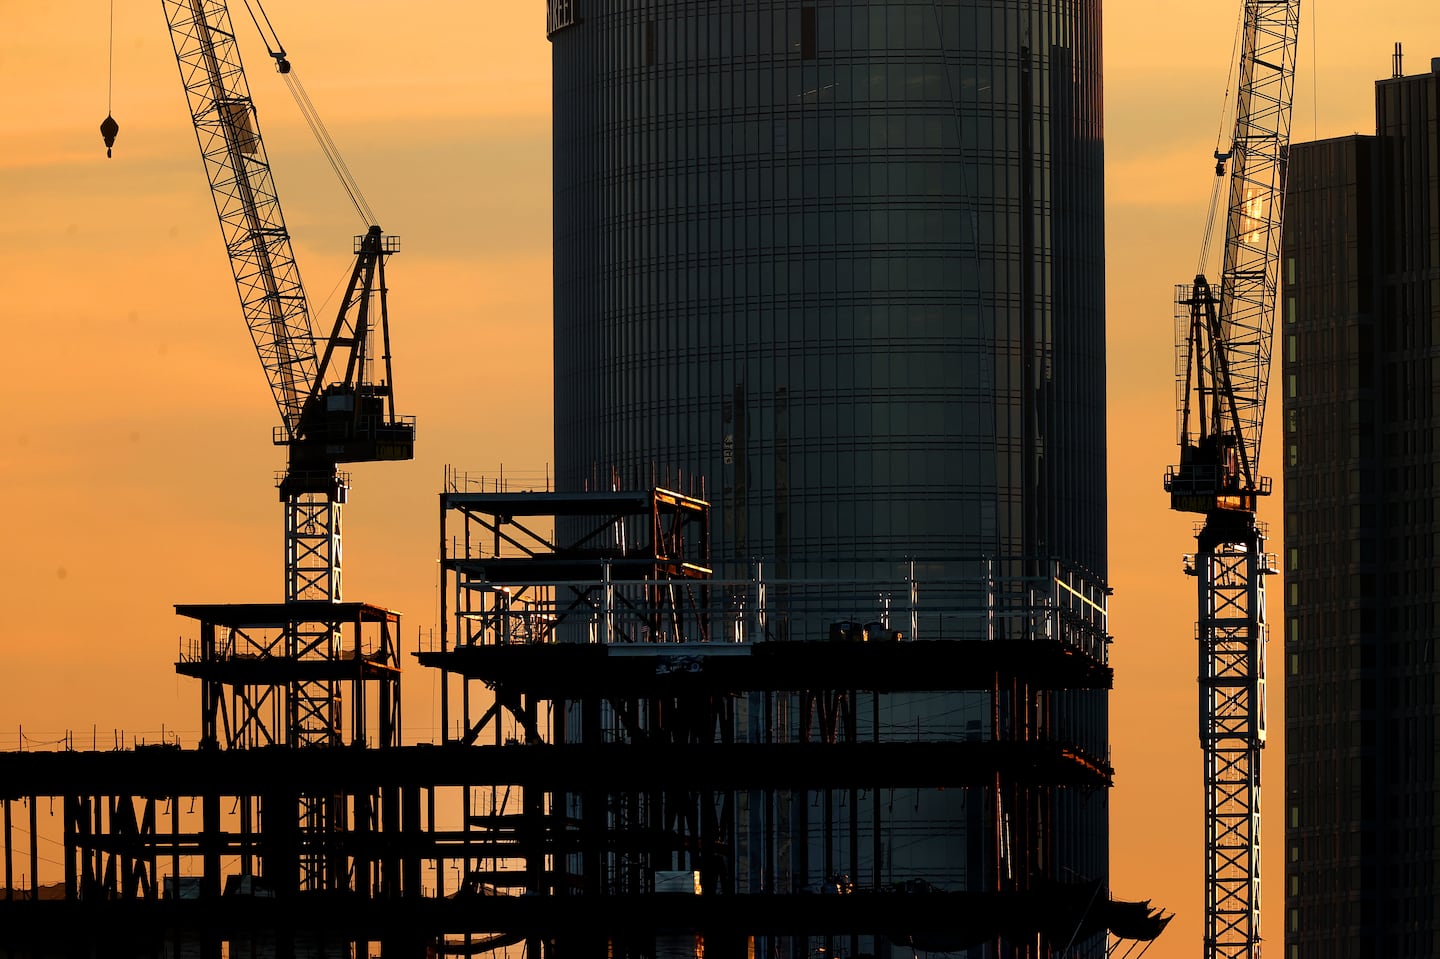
(312, 572)
(312, 552)
(1232, 733)
(266, 277)
(1260, 150)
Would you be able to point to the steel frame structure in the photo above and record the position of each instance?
(283, 675)
(641, 555)
(159, 856)
(673, 678)
(611, 764)
(261, 687)
(166, 864)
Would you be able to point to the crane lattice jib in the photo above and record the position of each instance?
(241, 185)
(1251, 271)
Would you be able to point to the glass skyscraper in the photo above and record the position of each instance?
(844, 263)
(839, 269)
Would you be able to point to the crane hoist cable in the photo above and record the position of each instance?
(1227, 126)
(286, 69)
(108, 127)
(328, 147)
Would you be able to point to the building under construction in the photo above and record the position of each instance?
(633, 765)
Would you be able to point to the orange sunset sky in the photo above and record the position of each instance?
(136, 470)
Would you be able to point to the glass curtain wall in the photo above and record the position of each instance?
(841, 263)
(838, 268)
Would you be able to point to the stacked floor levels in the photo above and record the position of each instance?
(640, 760)
(750, 738)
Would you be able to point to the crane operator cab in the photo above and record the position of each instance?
(344, 423)
(1210, 477)
(352, 424)
(347, 418)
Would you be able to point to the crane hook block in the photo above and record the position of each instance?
(108, 129)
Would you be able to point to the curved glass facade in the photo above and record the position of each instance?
(839, 268)
(849, 273)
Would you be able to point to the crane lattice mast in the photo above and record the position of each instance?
(1223, 349)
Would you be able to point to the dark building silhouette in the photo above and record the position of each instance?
(1360, 329)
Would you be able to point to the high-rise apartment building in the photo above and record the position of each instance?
(838, 268)
(1360, 329)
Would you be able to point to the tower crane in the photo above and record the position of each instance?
(1223, 342)
(334, 393)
